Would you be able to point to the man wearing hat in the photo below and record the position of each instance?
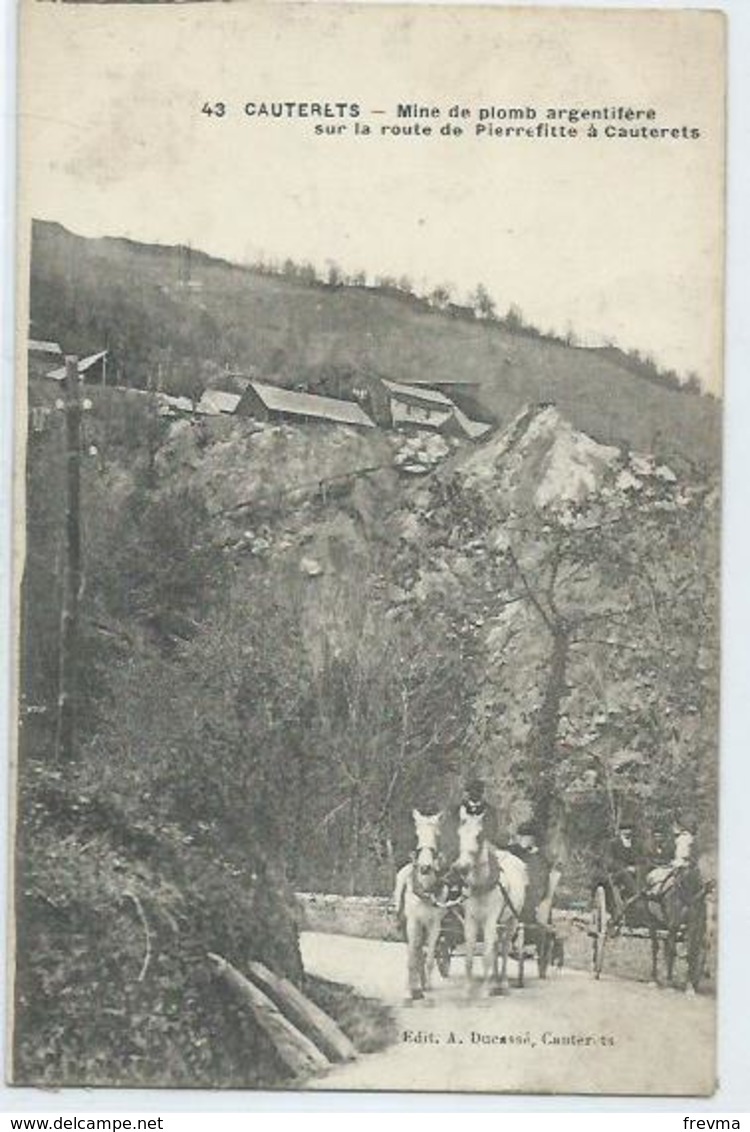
(684, 864)
(679, 867)
(625, 865)
(544, 876)
(684, 828)
(474, 804)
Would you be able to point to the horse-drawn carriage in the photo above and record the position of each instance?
(481, 899)
(532, 941)
(493, 907)
(667, 906)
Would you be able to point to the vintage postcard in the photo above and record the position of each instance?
(369, 367)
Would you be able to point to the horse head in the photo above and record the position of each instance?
(427, 827)
(470, 841)
(427, 857)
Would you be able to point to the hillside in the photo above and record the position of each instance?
(288, 639)
(159, 844)
(286, 643)
(134, 300)
(206, 548)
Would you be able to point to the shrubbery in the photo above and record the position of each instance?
(248, 725)
(115, 918)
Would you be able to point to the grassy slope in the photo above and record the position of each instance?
(115, 917)
(283, 327)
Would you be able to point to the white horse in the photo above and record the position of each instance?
(417, 896)
(496, 884)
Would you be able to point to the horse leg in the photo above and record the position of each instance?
(696, 949)
(422, 964)
(503, 942)
(490, 956)
(414, 952)
(543, 950)
(433, 931)
(670, 951)
(470, 938)
(521, 945)
(654, 958)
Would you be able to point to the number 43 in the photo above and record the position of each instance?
(217, 108)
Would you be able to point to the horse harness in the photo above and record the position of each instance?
(430, 895)
(496, 881)
(506, 896)
(426, 895)
(671, 883)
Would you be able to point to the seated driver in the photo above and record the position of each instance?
(544, 876)
(474, 803)
(624, 865)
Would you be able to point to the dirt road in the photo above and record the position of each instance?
(568, 1034)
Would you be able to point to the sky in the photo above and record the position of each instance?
(618, 239)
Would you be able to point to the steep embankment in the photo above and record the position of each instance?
(151, 850)
(294, 331)
(284, 650)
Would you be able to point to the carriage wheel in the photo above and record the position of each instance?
(544, 948)
(599, 920)
(443, 952)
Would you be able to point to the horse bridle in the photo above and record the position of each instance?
(498, 882)
(420, 873)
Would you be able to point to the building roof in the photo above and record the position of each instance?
(443, 408)
(473, 429)
(37, 346)
(83, 365)
(280, 400)
(92, 359)
(180, 404)
(216, 401)
(441, 382)
(418, 394)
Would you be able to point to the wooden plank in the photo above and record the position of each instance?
(306, 1015)
(301, 1056)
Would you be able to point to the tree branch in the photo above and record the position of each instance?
(529, 592)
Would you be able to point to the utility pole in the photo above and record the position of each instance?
(67, 699)
(152, 429)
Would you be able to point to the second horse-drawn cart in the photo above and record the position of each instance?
(667, 908)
